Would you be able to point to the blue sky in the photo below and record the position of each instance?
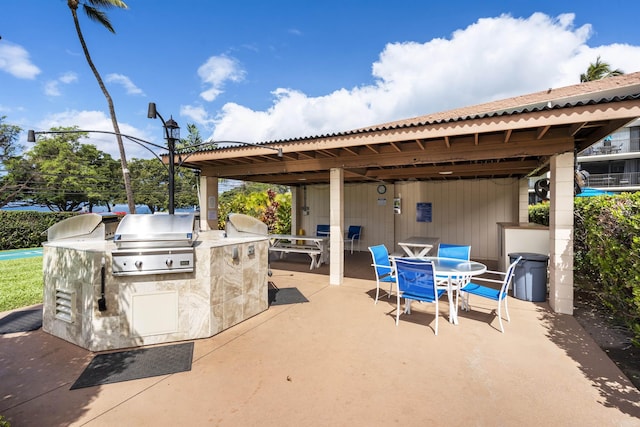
(260, 71)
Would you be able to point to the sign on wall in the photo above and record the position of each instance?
(424, 212)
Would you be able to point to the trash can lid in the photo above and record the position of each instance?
(529, 256)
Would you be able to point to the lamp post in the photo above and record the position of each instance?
(172, 133)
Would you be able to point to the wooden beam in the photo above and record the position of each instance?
(350, 150)
(507, 135)
(473, 169)
(372, 148)
(542, 131)
(457, 153)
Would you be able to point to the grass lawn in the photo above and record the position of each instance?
(21, 283)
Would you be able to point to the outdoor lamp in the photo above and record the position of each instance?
(172, 129)
(172, 133)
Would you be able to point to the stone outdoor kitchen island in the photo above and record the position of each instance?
(86, 304)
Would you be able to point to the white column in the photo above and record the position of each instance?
(208, 203)
(294, 209)
(561, 233)
(336, 226)
(523, 200)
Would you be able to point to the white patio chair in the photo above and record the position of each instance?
(415, 280)
(462, 252)
(497, 295)
(385, 272)
(353, 236)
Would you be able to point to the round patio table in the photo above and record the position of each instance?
(461, 271)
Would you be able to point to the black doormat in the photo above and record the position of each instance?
(21, 321)
(283, 296)
(135, 364)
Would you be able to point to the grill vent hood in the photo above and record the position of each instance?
(156, 231)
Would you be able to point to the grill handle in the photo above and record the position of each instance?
(102, 301)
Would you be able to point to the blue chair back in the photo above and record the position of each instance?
(462, 252)
(354, 232)
(416, 280)
(380, 256)
(322, 230)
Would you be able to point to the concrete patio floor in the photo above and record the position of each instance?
(340, 360)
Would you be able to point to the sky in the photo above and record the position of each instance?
(259, 71)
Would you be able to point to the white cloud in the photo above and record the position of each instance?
(99, 121)
(68, 77)
(14, 59)
(52, 87)
(197, 114)
(216, 72)
(125, 82)
(491, 59)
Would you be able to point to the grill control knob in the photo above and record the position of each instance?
(169, 262)
(138, 264)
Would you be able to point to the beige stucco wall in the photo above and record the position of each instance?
(463, 212)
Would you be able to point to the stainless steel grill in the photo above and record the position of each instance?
(154, 244)
(240, 225)
(90, 226)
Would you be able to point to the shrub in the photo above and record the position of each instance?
(607, 251)
(27, 229)
(539, 213)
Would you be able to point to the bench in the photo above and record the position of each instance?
(313, 251)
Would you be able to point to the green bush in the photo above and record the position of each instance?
(4, 422)
(27, 229)
(259, 201)
(607, 252)
(539, 214)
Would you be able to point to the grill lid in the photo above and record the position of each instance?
(83, 227)
(156, 231)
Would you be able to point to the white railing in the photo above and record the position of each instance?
(627, 179)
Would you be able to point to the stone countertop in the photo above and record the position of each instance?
(207, 239)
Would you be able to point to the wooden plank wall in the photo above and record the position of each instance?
(463, 212)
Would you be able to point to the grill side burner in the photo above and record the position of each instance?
(154, 244)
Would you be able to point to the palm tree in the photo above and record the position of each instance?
(93, 10)
(599, 70)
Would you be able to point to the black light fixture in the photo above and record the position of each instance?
(172, 133)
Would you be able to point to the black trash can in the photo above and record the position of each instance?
(530, 276)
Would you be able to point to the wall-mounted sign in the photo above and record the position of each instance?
(424, 212)
(396, 206)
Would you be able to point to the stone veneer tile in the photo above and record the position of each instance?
(233, 312)
(222, 292)
(217, 318)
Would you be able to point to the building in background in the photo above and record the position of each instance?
(613, 163)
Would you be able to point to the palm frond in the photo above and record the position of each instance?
(98, 16)
(106, 4)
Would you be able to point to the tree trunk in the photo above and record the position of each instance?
(112, 113)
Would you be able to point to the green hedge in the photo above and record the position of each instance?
(27, 229)
(607, 251)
